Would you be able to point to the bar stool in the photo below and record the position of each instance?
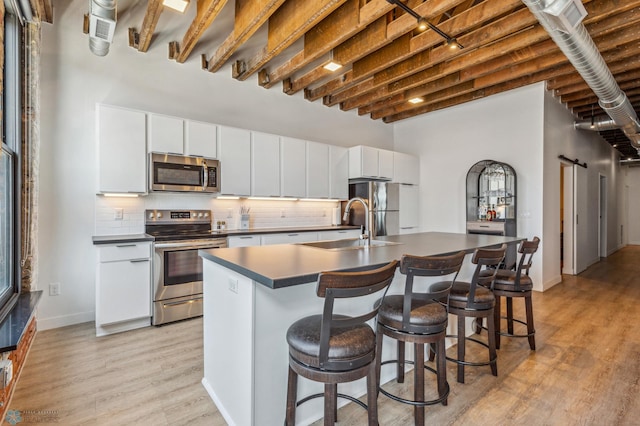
(332, 348)
(510, 284)
(419, 318)
(474, 299)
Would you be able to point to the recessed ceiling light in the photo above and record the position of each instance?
(332, 66)
(416, 100)
(179, 5)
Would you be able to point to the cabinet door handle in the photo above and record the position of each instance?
(342, 232)
(125, 245)
(292, 235)
(246, 238)
(138, 260)
(184, 302)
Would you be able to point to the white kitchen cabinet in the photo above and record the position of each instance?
(293, 167)
(339, 172)
(265, 165)
(201, 139)
(409, 209)
(235, 160)
(123, 287)
(368, 162)
(289, 238)
(317, 170)
(122, 153)
(244, 241)
(406, 168)
(166, 134)
(338, 234)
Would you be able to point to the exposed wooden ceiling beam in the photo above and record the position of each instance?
(286, 25)
(42, 10)
(372, 39)
(208, 10)
(249, 17)
(142, 40)
(346, 21)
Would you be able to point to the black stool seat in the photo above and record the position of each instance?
(507, 282)
(345, 343)
(459, 296)
(419, 318)
(423, 313)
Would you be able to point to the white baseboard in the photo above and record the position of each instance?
(216, 401)
(64, 320)
(552, 282)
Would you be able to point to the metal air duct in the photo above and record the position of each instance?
(562, 19)
(102, 25)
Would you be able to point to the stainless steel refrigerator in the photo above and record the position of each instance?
(383, 199)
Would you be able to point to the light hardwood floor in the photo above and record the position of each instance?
(585, 371)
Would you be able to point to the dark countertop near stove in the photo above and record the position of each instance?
(133, 238)
(285, 265)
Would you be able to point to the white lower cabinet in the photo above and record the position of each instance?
(123, 287)
(244, 241)
(289, 238)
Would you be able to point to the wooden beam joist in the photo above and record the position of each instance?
(207, 12)
(142, 40)
(286, 25)
(43, 10)
(250, 16)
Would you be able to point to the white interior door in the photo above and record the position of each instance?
(580, 224)
(567, 220)
(602, 223)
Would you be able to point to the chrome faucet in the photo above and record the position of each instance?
(366, 232)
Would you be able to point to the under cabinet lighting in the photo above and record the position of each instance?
(332, 66)
(416, 100)
(324, 200)
(272, 198)
(178, 5)
(227, 197)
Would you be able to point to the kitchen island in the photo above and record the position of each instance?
(253, 294)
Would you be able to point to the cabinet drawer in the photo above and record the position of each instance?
(339, 234)
(125, 251)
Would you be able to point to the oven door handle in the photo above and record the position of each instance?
(191, 244)
(184, 302)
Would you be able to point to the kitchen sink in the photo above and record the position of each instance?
(348, 244)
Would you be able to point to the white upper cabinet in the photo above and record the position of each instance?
(409, 208)
(367, 162)
(201, 139)
(293, 167)
(166, 134)
(235, 160)
(122, 153)
(317, 170)
(339, 171)
(406, 168)
(265, 165)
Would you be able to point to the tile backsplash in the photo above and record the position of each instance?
(263, 213)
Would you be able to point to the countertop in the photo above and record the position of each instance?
(285, 265)
(15, 323)
(134, 238)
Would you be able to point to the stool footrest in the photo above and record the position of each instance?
(470, 363)
(439, 400)
(340, 395)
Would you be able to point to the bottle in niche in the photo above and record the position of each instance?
(490, 213)
(482, 212)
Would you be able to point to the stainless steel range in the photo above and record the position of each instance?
(177, 268)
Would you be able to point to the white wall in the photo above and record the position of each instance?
(73, 80)
(560, 138)
(632, 189)
(507, 127)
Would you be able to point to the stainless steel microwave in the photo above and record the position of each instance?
(178, 173)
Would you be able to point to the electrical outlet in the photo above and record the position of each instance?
(54, 289)
(118, 213)
(233, 285)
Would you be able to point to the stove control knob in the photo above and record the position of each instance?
(158, 215)
(200, 215)
(206, 214)
(150, 215)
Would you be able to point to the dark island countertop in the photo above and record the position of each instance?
(284, 265)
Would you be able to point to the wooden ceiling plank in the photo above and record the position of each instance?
(618, 72)
(335, 84)
(374, 37)
(587, 93)
(337, 28)
(42, 10)
(249, 17)
(470, 70)
(286, 25)
(208, 11)
(142, 40)
(420, 61)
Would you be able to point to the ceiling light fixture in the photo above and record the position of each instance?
(422, 22)
(416, 100)
(593, 124)
(332, 66)
(178, 5)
